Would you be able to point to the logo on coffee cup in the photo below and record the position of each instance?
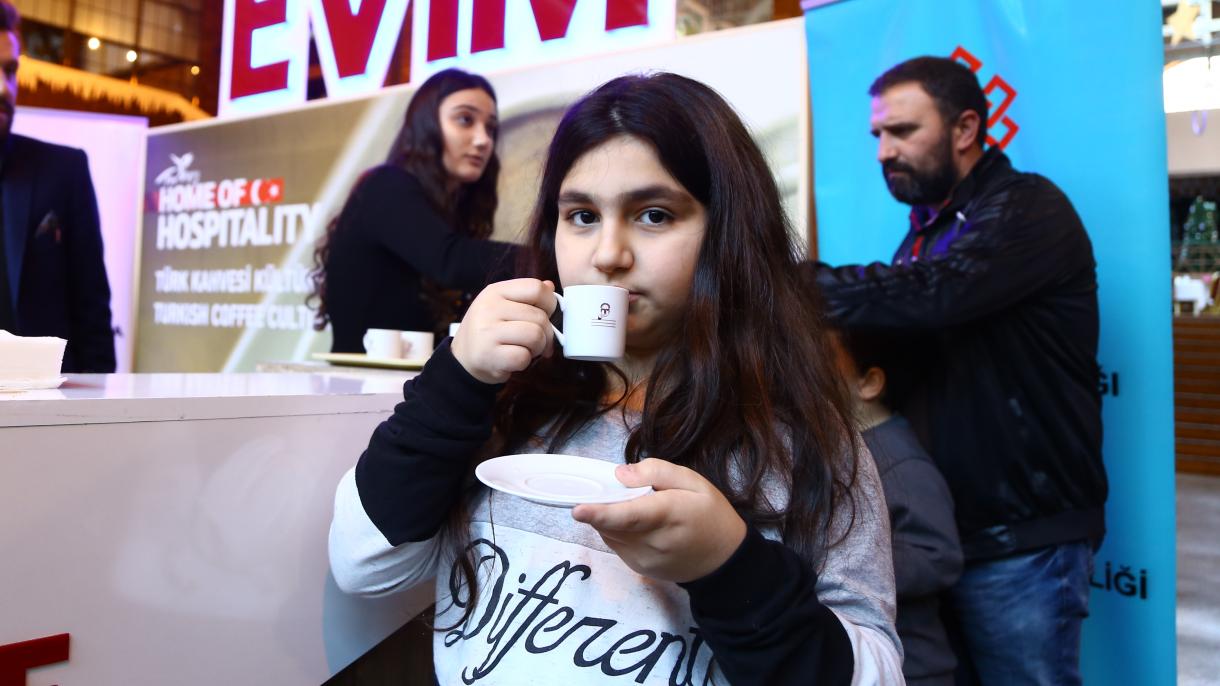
(596, 317)
(604, 319)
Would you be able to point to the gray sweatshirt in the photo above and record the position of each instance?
(557, 606)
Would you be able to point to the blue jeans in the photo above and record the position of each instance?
(1019, 617)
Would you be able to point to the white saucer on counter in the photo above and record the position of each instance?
(362, 360)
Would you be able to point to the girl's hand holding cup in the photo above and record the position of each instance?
(506, 327)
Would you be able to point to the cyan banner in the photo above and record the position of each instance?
(1075, 95)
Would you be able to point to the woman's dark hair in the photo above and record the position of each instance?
(751, 392)
(419, 148)
(950, 84)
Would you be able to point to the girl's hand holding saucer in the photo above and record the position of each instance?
(506, 327)
(684, 531)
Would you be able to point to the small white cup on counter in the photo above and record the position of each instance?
(394, 344)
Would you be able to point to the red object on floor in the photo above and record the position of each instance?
(17, 658)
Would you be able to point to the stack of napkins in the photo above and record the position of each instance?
(30, 361)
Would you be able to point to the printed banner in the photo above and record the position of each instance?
(233, 209)
(232, 213)
(1065, 108)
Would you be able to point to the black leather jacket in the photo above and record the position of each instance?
(993, 303)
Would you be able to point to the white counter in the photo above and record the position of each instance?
(110, 398)
(175, 525)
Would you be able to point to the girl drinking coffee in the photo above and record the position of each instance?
(761, 556)
(411, 238)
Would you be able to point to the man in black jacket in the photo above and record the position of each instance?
(52, 277)
(992, 296)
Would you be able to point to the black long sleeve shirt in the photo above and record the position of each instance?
(389, 237)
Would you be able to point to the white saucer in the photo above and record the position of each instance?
(557, 480)
(11, 385)
(362, 360)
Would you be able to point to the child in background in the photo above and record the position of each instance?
(927, 554)
(762, 557)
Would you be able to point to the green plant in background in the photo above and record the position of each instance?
(1200, 225)
(1200, 248)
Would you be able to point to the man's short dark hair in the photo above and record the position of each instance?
(951, 84)
(10, 19)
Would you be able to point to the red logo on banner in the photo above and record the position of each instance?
(356, 32)
(997, 111)
(552, 18)
(265, 191)
(265, 43)
(249, 16)
(17, 658)
(182, 189)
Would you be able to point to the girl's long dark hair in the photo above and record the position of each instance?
(419, 148)
(751, 391)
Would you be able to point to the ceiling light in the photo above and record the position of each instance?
(132, 56)
(93, 43)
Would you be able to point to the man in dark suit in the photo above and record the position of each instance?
(52, 277)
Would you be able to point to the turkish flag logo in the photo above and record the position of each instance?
(264, 191)
(273, 190)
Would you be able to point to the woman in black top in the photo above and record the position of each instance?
(410, 242)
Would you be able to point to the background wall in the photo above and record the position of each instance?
(1189, 152)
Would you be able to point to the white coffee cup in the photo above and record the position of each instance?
(394, 344)
(417, 345)
(594, 322)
